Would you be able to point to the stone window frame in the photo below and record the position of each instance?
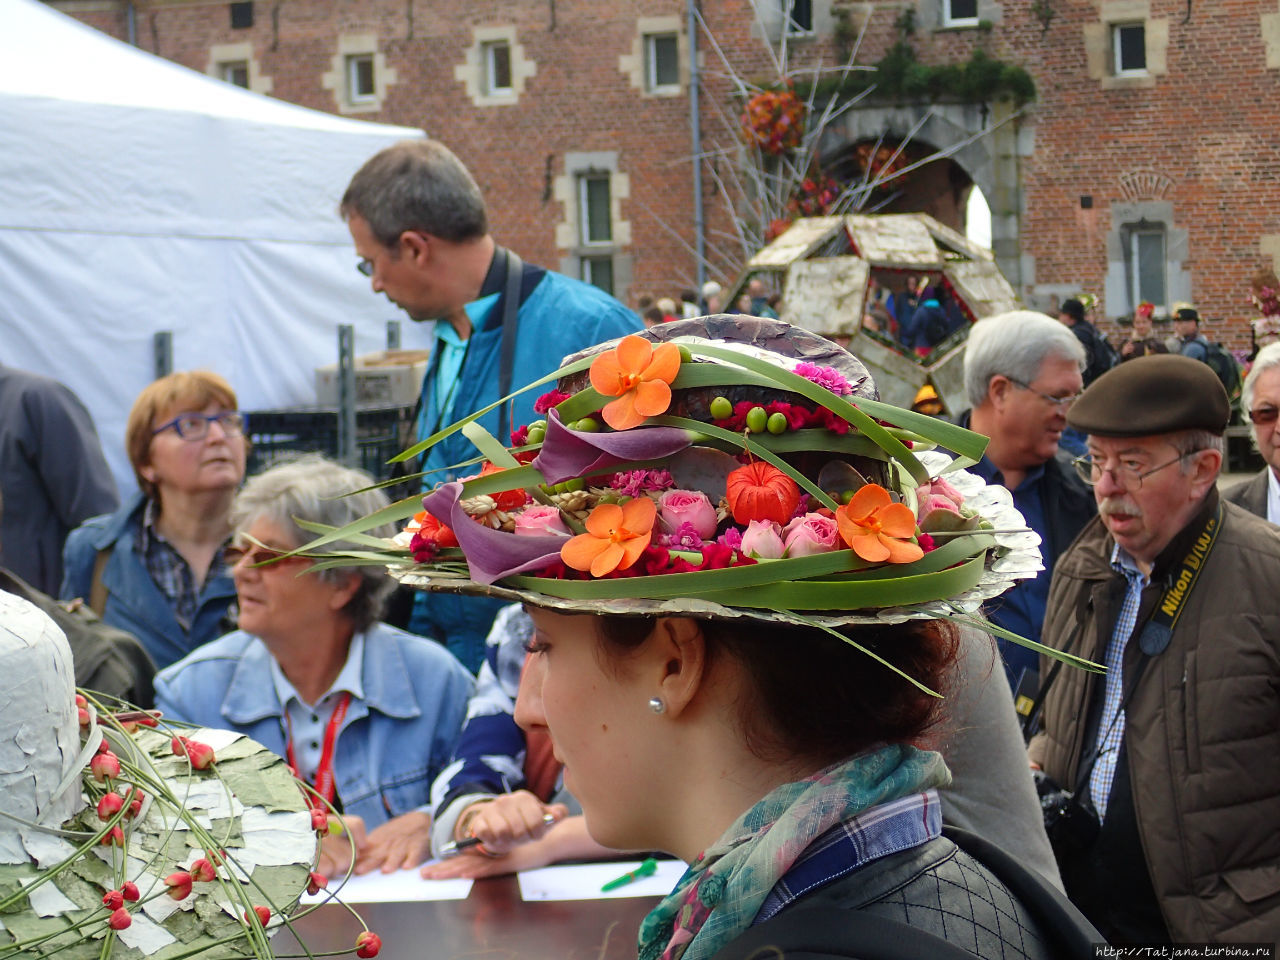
(569, 232)
(769, 22)
(473, 71)
(1100, 39)
(953, 22)
(934, 16)
(488, 58)
(337, 79)
(794, 30)
(634, 65)
(222, 55)
(1128, 217)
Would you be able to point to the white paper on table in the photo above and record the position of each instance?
(403, 886)
(583, 881)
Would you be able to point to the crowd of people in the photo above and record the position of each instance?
(1037, 808)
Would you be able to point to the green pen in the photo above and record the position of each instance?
(646, 869)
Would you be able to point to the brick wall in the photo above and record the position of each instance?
(1205, 127)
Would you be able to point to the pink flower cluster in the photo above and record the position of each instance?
(632, 483)
(937, 495)
(826, 377)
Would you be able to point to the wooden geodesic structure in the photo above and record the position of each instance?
(825, 267)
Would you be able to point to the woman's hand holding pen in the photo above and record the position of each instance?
(508, 821)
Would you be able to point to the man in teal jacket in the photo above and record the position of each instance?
(421, 230)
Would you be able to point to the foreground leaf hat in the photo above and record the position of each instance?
(123, 838)
(724, 467)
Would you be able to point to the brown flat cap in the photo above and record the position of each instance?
(1160, 393)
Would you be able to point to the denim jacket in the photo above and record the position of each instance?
(391, 744)
(134, 602)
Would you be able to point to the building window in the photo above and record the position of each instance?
(1145, 265)
(798, 16)
(594, 215)
(235, 72)
(959, 13)
(497, 68)
(1129, 49)
(661, 62)
(598, 271)
(360, 79)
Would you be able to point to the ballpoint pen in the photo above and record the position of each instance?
(646, 869)
(455, 847)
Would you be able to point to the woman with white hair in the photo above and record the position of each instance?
(366, 713)
(1260, 400)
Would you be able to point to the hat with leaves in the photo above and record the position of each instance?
(723, 467)
(124, 837)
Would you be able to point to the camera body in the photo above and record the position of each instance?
(1071, 822)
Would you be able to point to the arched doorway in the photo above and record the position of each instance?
(940, 188)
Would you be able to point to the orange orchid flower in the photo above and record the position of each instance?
(639, 375)
(615, 537)
(878, 529)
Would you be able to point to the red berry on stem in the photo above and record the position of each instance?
(263, 915)
(120, 919)
(113, 899)
(179, 884)
(130, 891)
(368, 944)
(316, 882)
(109, 805)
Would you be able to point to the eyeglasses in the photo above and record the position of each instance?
(1264, 415)
(255, 554)
(1128, 476)
(365, 266)
(195, 426)
(1060, 402)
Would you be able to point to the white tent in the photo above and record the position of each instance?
(138, 196)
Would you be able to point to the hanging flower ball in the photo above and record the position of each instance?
(774, 121)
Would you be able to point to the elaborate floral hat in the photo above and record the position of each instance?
(723, 467)
(121, 837)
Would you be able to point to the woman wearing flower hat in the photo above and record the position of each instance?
(741, 599)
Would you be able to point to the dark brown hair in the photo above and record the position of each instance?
(811, 695)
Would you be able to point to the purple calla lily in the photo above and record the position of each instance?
(567, 454)
(491, 554)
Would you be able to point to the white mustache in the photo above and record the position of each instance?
(1124, 505)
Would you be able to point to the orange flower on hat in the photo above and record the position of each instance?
(615, 537)
(760, 491)
(639, 375)
(878, 529)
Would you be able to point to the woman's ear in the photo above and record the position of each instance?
(343, 592)
(680, 650)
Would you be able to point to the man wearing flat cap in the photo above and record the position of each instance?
(1171, 755)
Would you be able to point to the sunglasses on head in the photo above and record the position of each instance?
(1264, 415)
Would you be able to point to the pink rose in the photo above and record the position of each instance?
(762, 540)
(688, 506)
(937, 495)
(810, 534)
(539, 521)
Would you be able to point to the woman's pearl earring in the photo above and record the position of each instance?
(656, 705)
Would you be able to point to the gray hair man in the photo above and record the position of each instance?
(1170, 833)
(1260, 399)
(421, 231)
(1022, 370)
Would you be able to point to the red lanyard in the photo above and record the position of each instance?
(324, 772)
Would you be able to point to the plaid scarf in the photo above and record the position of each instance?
(722, 891)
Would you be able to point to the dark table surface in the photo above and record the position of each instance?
(492, 923)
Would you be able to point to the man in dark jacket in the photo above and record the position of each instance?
(1260, 400)
(1099, 357)
(1171, 835)
(1021, 372)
